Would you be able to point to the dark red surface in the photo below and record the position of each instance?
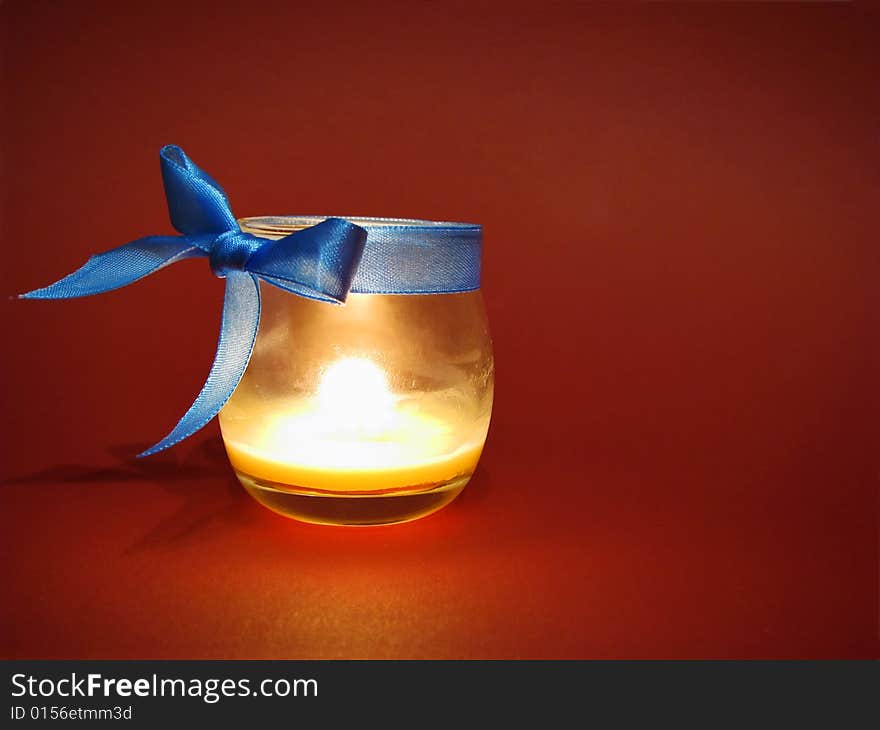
(681, 255)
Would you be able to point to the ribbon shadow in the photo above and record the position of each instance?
(208, 494)
(160, 469)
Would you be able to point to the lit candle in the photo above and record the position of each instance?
(376, 411)
(355, 435)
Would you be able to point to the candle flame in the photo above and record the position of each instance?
(354, 391)
(354, 421)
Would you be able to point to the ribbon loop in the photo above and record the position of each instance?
(196, 203)
(317, 262)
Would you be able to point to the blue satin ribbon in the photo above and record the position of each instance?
(318, 262)
(324, 260)
(402, 256)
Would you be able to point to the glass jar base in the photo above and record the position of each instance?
(352, 508)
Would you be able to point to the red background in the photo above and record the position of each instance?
(680, 268)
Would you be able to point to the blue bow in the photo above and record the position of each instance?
(317, 262)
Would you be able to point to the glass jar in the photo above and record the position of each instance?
(373, 412)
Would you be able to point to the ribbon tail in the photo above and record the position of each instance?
(118, 267)
(238, 331)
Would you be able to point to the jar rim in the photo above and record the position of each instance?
(400, 255)
(285, 224)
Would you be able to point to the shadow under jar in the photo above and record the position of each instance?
(369, 413)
